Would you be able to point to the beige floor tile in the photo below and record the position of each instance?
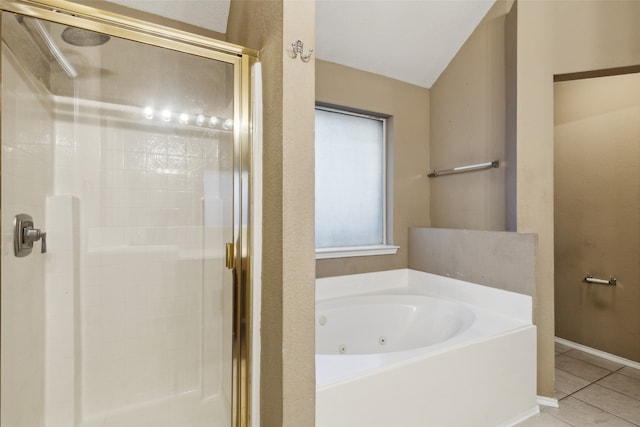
(559, 395)
(611, 401)
(630, 372)
(594, 360)
(623, 384)
(580, 368)
(569, 383)
(579, 413)
(561, 348)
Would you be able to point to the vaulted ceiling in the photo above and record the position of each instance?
(408, 40)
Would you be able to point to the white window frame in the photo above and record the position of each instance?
(369, 250)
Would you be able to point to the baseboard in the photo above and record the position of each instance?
(547, 401)
(599, 353)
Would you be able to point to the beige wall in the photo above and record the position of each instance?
(555, 37)
(467, 127)
(473, 119)
(597, 212)
(288, 256)
(408, 106)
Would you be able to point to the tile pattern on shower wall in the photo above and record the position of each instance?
(141, 184)
(141, 317)
(154, 185)
(26, 177)
(153, 205)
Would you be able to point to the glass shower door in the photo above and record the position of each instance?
(123, 154)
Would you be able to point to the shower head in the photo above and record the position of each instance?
(79, 37)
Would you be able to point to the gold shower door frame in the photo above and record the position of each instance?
(134, 27)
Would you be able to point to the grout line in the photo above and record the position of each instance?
(592, 364)
(564, 421)
(558, 352)
(629, 376)
(608, 412)
(611, 372)
(590, 381)
(605, 411)
(590, 384)
(618, 391)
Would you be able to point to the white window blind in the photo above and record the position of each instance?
(350, 180)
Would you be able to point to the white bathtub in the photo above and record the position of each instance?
(407, 348)
(388, 323)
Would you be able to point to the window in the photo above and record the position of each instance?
(350, 184)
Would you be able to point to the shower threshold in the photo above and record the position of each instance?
(185, 410)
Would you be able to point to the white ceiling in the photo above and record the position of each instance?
(408, 40)
(210, 14)
(412, 41)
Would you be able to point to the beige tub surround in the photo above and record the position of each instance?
(499, 259)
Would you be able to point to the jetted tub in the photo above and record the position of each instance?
(407, 348)
(389, 323)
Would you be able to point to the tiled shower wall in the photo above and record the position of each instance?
(27, 139)
(152, 207)
(143, 182)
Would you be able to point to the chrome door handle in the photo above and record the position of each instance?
(24, 235)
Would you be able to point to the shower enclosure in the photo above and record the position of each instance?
(124, 222)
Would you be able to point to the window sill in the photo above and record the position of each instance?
(353, 251)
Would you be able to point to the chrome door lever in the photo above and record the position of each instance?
(24, 235)
(31, 235)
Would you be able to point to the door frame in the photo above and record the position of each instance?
(572, 77)
(141, 27)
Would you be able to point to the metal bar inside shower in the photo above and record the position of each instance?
(53, 47)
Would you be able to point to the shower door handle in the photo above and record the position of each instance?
(24, 235)
(229, 256)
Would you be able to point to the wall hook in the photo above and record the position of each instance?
(298, 48)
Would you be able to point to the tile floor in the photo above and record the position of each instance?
(591, 391)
